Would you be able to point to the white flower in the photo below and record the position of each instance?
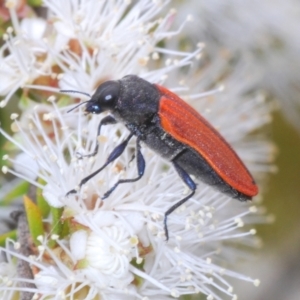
(23, 64)
(115, 248)
(129, 224)
(89, 41)
(7, 272)
(105, 49)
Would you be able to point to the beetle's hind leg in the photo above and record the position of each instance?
(186, 178)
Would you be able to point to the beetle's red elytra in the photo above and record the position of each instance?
(174, 130)
(187, 126)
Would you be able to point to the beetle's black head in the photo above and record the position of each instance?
(105, 97)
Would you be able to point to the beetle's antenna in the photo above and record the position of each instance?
(77, 106)
(78, 92)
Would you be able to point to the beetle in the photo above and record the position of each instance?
(173, 129)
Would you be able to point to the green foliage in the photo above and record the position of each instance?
(19, 190)
(41, 202)
(34, 2)
(34, 219)
(8, 235)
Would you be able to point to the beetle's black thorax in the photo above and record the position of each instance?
(138, 101)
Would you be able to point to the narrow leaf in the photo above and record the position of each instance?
(34, 218)
(19, 190)
(58, 226)
(41, 202)
(11, 235)
(35, 2)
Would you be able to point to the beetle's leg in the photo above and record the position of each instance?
(192, 186)
(140, 163)
(132, 158)
(108, 120)
(114, 155)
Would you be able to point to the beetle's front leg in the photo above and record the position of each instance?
(108, 120)
(114, 155)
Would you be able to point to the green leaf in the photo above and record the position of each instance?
(34, 219)
(56, 220)
(19, 190)
(41, 202)
(59, 226)
(34, 2)
(11, 235)
(66, 228)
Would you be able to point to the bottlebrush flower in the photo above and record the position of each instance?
(89, 248)
(117, 246)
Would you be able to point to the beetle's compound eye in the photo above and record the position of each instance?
(105, 97)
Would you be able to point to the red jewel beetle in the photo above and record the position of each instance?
(174, 130)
